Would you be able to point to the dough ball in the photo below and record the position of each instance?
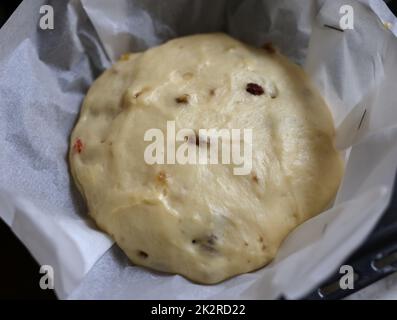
(202, 220)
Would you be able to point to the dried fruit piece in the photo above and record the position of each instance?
(142, 254)
(207, 243)
(196, 139)
(254, 89)
(203, 140)
(161, 177)
(182, 99)
(78, 146)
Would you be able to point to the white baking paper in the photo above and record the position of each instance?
(44, 75)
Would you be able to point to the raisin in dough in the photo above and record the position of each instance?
(202, 221)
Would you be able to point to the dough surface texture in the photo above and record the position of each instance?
(203, 221)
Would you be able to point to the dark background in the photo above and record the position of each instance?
(19, 271)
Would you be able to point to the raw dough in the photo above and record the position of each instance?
(202, 221)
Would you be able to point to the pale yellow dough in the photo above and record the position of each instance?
(202, 221)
